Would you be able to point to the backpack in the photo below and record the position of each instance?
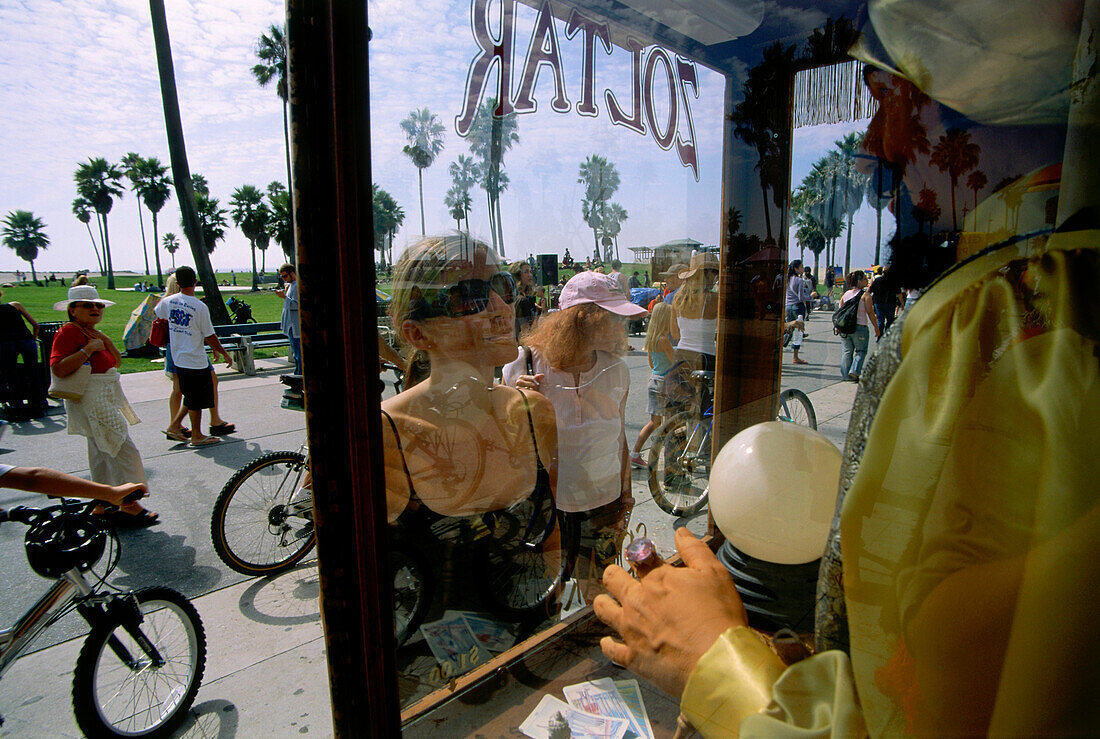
(845, 318)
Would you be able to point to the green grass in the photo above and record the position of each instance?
(39, 301)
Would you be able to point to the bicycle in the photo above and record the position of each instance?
(142, 663)
(680, 456)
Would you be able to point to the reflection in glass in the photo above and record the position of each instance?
(478, 554)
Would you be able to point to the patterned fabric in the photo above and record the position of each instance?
(831, 619)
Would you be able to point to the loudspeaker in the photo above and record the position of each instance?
(547, 272)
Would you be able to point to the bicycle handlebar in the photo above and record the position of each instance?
(28, 516)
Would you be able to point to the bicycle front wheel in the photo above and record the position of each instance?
(261, 525)
(122, 687)
(795, 407)
(679, 465)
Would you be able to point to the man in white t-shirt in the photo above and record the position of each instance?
(191, 332)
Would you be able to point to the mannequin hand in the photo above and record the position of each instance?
(671, 617)
(530, 382)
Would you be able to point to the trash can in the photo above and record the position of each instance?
(47, 330)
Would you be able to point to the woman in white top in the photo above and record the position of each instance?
(576, 363)
(694, 326)
(855, 344)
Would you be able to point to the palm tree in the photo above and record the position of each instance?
(388, 217)
(154, 190)
(251, 215)
(131, 165)
(852, 184)
(465, 173)
(210, 214)
(458, 204)
(424, 132)
(171, 244)
(600, 179)
(489, 138)
(878, 200)
(926, 209)
(955, 154)
(25, 234)
(613, 223)
(82, 209)
(976, 181)
(278, 200)
(271, 49)
(97, 181)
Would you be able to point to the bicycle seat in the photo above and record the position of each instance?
(702, 375)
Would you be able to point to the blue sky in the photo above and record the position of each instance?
(78, 79)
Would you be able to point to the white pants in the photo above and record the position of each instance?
(124, 467)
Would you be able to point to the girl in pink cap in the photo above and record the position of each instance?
(574, 357)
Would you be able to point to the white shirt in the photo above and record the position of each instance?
(591, 431)
(188, 326)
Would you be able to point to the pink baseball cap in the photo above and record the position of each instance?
(603, 290)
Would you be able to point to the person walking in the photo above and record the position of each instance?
(855, 344)
(658, 348)
(288, 322)
(191, 331)
(103, 414)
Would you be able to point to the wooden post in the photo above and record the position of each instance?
(330, 137)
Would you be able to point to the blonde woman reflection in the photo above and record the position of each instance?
(456, 445)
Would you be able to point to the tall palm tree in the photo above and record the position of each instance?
(458, 203)
(154, 190)
(181, 173)
(600, 179)
(251, 215)
(926, 209)
(98, 182)
(272, 51)
(171, 244)
(490, 138)
(388, 217)
(131, 165)
(955, 154)
(424, 132)
(852, 184)
(278, 200)
(82, 209)
(25, 234)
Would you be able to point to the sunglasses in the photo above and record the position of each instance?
(463, 298)
(89, 306)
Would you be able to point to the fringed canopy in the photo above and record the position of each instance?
(832, 94)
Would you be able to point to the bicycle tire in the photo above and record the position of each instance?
(795, 407)
(413, 586)
(525, 581)
(107, 692)
(679, 486)
(254, 531)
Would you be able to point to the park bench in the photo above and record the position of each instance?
(242, 339)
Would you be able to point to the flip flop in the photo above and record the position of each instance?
(133, 520)
(800, 361)
(206, 441)
(176, 436)
(222, 429)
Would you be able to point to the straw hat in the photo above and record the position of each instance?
(700, 260)
(82, 294)
(674, 270)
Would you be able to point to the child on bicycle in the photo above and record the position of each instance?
(658, 348)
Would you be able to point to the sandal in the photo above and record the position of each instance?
(183, 435)
(125, 520)
(223, 428)
(205, 441)
(800, 361)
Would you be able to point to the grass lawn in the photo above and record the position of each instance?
(39, 301)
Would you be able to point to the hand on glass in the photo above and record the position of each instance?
(671, 617)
